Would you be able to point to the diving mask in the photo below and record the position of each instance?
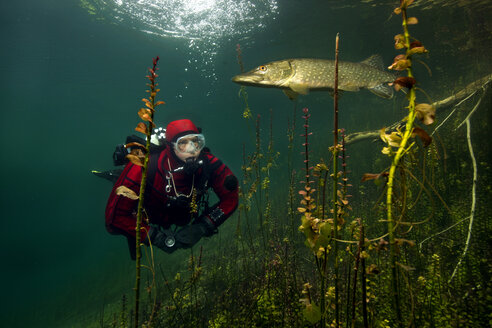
(190, 144)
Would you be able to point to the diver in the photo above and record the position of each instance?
(180, 172)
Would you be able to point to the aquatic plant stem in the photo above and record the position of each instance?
(259, 195)
(335, 183)
(138, 226)
(356, 271)
(308, 216)
(363, 277)
(325, 253)
(402, 149)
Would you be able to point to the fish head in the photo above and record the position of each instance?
(272, 75)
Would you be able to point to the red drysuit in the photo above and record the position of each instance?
(168, 196)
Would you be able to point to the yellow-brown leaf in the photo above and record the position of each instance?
(145, 114)
(417, 50)
(135, 159)
(426, 113)
(424, 136)
(126, 192)
(412, 20)
(134, 144)
(141, 127)
(147, 103)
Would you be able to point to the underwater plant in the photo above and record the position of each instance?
(147, 115)
(140, 156)
(335, 151)
(322, 222)
(398, 142)
(242, 90)
(317, 231)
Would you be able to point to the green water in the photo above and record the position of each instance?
(72, 74)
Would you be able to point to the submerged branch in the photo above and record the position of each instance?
(441, 232)
(469, 90)
(474, 198)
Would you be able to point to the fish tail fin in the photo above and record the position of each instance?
(382, 90)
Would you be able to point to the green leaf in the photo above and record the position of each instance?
(321, 241)
(312, 313)
(325, 229)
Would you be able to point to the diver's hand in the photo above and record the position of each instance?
(191, 234)
(163, 239)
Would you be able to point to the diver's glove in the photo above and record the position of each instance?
(165, 239)
(191, 234)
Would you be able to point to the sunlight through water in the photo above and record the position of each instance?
(203, 24)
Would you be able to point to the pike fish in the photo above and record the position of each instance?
(299, 76)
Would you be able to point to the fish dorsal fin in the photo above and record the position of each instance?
(374, 61)
(301, 88)
(291, 94)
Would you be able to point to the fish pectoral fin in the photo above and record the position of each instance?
(352, 88)
(382, 90)
(303, 89)
(292, 95)
(332, 92)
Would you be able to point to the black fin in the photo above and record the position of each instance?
(111, 175)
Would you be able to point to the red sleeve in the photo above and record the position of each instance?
(225, 185)
(121, 211)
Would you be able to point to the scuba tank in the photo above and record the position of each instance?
(157, 143)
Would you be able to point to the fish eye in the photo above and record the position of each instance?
(262, 68)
